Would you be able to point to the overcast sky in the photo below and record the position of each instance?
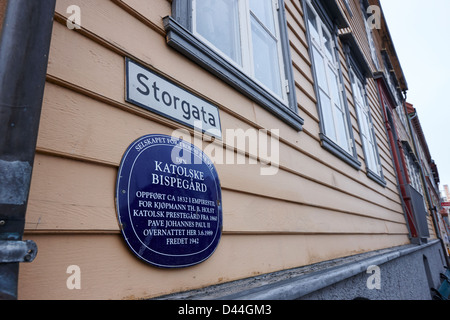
(420, 34)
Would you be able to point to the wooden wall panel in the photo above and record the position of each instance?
(110, 271)
(69, 127)
(315, 208)
(114, 77)
(66, 197)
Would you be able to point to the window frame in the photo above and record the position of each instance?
(392, 85)
(246, 52)
(356, 74)
(327, 143)
(180, 36)
(413, 167)
(370, 38)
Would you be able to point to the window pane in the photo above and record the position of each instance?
(341, 128)
(367, 137)
(357, 93)
(374, 163)
(262, 9)
(364, 122)
(370, 163)
(327, 116)
(334, 87)
(367, 126)
(218, 22)
(362, 97)
(328, 45)
(320, 69)
(361, 112)
(314, 31)
(265, 58)
(372, 158)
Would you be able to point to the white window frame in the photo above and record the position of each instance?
(367, 132)
(180, 36)
(371, 41)
(246, 45)
(343, 148)
(373, 52)
(413, 172)
(399, 106)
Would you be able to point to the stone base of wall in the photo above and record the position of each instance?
(400, 273)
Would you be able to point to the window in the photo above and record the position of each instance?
(413, 168)
(367, 133)
(245, 32)
(415, 187)
(390, 78)
(373, 52)
(243, 42)
(336, 131)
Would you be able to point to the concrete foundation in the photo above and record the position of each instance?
(400, 273)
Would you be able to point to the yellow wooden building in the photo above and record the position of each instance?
(303, 71)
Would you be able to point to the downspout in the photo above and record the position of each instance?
(24, 48)
(424, 182)
(406, 199)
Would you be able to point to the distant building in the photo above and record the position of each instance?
(447, 192)
(429, 176)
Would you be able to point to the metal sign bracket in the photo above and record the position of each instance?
(17, 251)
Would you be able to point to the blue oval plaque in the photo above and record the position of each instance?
(169, 202)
